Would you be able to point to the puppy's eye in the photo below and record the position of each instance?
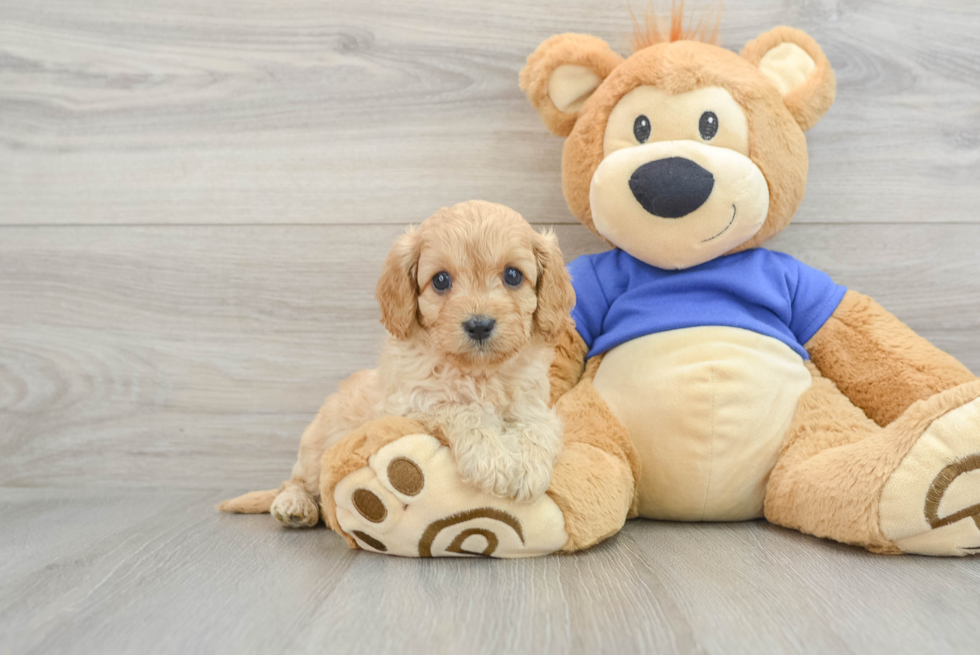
(441, 281)
(513, 277)
(708, 125)
(641, 128)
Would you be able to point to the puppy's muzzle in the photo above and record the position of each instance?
(671, 187)
(479, 328)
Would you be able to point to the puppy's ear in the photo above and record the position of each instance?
(561, 75)
(797, 67)
(556, 297)
(398, 290)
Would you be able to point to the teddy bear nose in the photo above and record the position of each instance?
(479, 327)
(672, 187)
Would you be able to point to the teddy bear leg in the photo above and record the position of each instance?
(390, 487)
(594, 480)
(812, 499)
(908, 487)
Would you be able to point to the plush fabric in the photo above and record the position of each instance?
(716, 405)
(594, 491)
(787, 66)
(625, 191)
(670, 118)
(836, 464)
(353, 453)
(828, 478)
(766, 292)
(425, 510)
(776, 144)
(594, 482)
(410, 501)
(807, 493)
(701, 403)
(879, 362)
(578, 50)
(570, 85)
(589, 420)
(809, 100)
(941, 467)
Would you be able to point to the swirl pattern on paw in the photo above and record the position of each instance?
(410, 501)
(931, 503)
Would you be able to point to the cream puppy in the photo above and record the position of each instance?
(474, 300)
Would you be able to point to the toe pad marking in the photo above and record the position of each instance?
(370, 541)
(369, 505)
(406, 476)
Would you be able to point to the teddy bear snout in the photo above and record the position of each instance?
(672, 187)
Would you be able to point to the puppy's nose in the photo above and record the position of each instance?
(479, 327)
(672, 187)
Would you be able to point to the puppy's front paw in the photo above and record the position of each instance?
(295, 508)
(488, 463)
(540, 444)
(534, 474)
(522, 472)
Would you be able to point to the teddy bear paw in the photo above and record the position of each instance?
(931, 503)
(410, 501)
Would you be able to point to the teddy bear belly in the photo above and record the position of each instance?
(707, 409)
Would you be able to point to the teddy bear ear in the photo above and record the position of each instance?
(797, 67)
(561, 75)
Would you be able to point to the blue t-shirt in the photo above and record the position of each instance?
(619, 298)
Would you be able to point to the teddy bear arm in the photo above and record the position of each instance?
(569, 363)
(878, 362)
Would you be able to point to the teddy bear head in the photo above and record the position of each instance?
(683, 151)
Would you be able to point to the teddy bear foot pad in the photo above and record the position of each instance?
(410, 501)
(931, 504)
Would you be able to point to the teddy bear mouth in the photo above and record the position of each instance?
(730, 223)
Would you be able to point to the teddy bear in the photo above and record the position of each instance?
(707, 378)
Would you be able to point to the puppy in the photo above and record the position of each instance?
(474, 300)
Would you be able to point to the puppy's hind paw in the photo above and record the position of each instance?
(295, 508)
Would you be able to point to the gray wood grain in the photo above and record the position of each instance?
(195, 199)
(330, 111)
(194, 356)
(160, 572)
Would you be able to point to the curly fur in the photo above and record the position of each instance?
(489, 400)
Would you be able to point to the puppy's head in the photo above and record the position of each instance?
(476, 284)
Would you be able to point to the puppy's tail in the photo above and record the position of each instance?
(254, 502)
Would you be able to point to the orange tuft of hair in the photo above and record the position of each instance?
(654, 31)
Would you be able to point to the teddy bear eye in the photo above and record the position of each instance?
(513, 277)
(641, 128)
(441, 281)
(708, 125)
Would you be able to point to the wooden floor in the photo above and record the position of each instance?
(195, 198)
